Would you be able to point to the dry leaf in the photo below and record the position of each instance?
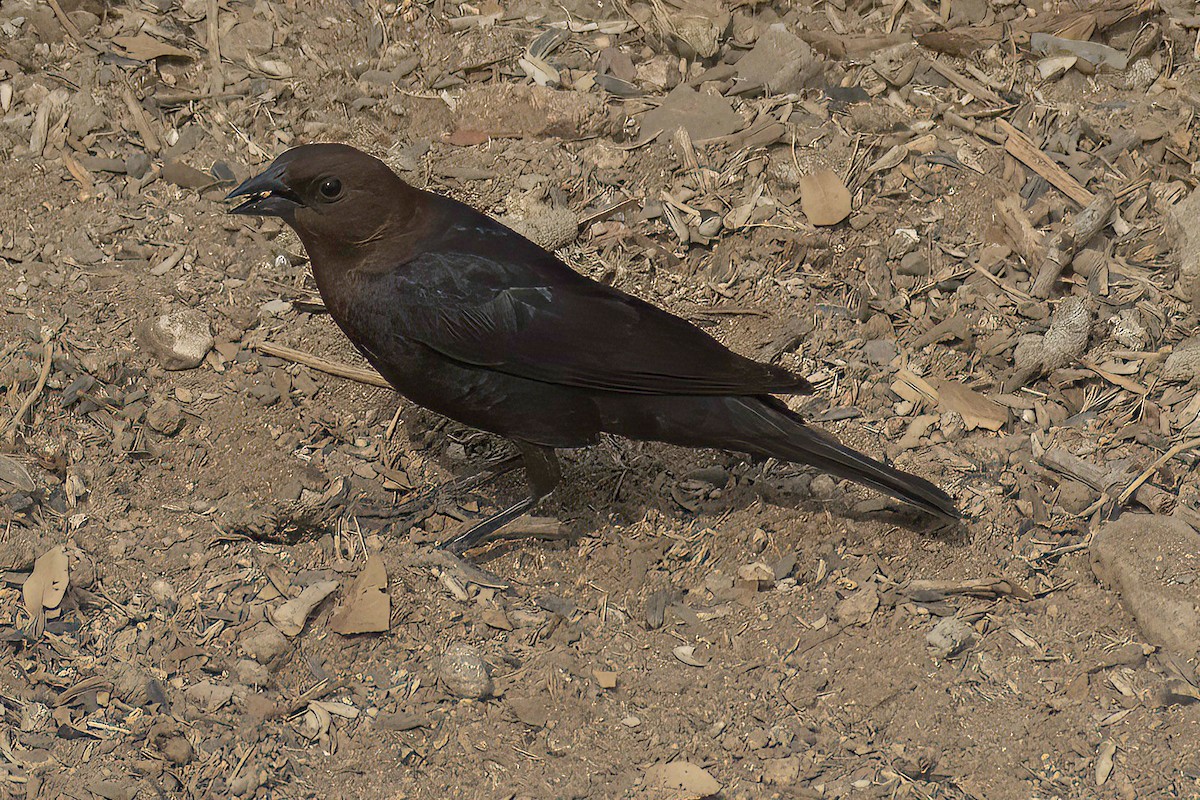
(367, 607)
(914, 388)
(46, 586)
(976, 410)
(13, 473)
(1104, 762)
(824, 198)
(687, 654)
(495, 618)
(858, 608)
(144, 47)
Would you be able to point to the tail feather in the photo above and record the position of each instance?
(794, 441)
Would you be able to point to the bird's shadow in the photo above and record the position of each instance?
(628, 479)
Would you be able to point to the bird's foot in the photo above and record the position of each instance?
(428, 498)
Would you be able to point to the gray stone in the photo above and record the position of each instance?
(1183, 225)
(950, 637)
(464, 672)
(180, 339)
(1154, 563)
(263, 642)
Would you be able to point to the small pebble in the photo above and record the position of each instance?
(950, 637)
(263, 642)
(250, 673)
(464, 672)
(166, 417)
(180, 339)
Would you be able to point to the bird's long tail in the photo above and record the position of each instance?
(766, 427)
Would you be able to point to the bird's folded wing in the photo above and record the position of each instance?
(584, 335)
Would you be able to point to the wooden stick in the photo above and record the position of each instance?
(141, 121)
(1062, 461)
(70, 28)
(1061, 250)
(976, 128)
(1150, 470)
(969, 85)
(1020, 147)
(217, 79)
(1027, 239)
(47, 363)
(367, 376)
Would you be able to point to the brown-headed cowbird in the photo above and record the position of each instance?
(469, 319)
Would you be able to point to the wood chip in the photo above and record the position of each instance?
(1020, 147)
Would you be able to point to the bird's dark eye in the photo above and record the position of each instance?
(330, 188)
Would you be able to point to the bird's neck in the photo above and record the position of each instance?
(339, 262)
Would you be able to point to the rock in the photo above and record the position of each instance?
(1075, 497)
(252, 37)
(685, 780)
(880, 352)
(172, 744)
(702, 115)
(263, 642)
(950, 637)
(1183, 225)
(756, 577)
(604, 156)
(823, 487)
(914, 263)
(180, 339)
(780, 62)
(859, 607)
(250, 673)
(531, 711)
(781, 771)
(166, 417)
(464, 672)
(164, 594)
(208, 696)
(605, 678)
(137, 164)
(547, 226)
(1184, 363)
(1149, 560)
(758, 738)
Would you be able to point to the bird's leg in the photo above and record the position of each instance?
(426, 497)
(542, 473)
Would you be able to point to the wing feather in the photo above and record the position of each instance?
(565, 329)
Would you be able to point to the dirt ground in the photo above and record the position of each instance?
(864, 191)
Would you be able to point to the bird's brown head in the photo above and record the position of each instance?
(336, 198)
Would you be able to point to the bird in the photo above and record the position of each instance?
(471, 320)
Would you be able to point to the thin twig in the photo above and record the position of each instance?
(217, 79)
(1150, 470)
(70, 28)
(141, 121)
(1020, 147)
(367, 376)
(48, 361)
(1062, 249)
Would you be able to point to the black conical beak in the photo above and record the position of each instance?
(267, 195)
